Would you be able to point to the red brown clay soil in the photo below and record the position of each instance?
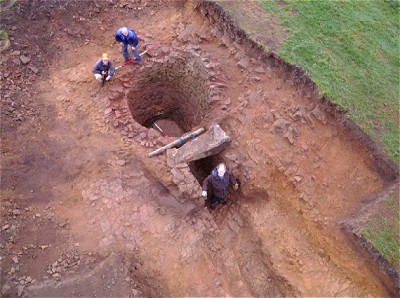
(86, 212)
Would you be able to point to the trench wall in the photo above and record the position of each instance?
(211, 10)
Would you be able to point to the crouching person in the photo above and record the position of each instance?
(103, 69)
(219, 180)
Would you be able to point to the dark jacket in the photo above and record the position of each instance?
(131, 39)
(218, 185)
(100, 66)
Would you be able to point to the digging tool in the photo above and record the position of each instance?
(179, 141)
(133, 59)
(103, 79)
(159, 128)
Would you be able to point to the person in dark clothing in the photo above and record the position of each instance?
(103, 69)
(219, 180)
(127, 37)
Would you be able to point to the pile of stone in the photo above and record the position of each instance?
(65, 262)
(187, 185)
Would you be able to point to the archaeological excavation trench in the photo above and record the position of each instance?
(276, 230)
(280, 234)
(281, 229)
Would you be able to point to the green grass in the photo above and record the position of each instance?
(4, 40)
(383, 231)
(12, 4)
(351, 51)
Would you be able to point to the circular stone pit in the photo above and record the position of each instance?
(174, 88)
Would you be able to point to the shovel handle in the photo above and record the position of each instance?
(159, 128)
(141, 54)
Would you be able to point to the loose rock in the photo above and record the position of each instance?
(34, 69)
(24, 59)
(5, 289)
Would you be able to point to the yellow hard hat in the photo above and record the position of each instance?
(104, 56)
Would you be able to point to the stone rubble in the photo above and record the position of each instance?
(188, 187)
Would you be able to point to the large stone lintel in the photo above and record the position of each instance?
(212, 142)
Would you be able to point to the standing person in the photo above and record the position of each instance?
(103, 69)
(219, 179)
(128, 37)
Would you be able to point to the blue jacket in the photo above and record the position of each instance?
(131, 39)
(219, 185)
(100, 66)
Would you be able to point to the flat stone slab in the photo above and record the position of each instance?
(210, 143)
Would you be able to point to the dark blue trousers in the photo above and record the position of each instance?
(215, 200)
(135, 53)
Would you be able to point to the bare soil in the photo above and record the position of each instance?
(85, 211)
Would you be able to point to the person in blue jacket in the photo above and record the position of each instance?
(103, 69)
(128, 38)
(219, 179)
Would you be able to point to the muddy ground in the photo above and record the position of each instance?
(86, 212)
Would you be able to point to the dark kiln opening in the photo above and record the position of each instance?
(172, 92)
(202, 168)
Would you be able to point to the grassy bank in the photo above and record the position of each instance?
(383, 230)
(351, 51)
